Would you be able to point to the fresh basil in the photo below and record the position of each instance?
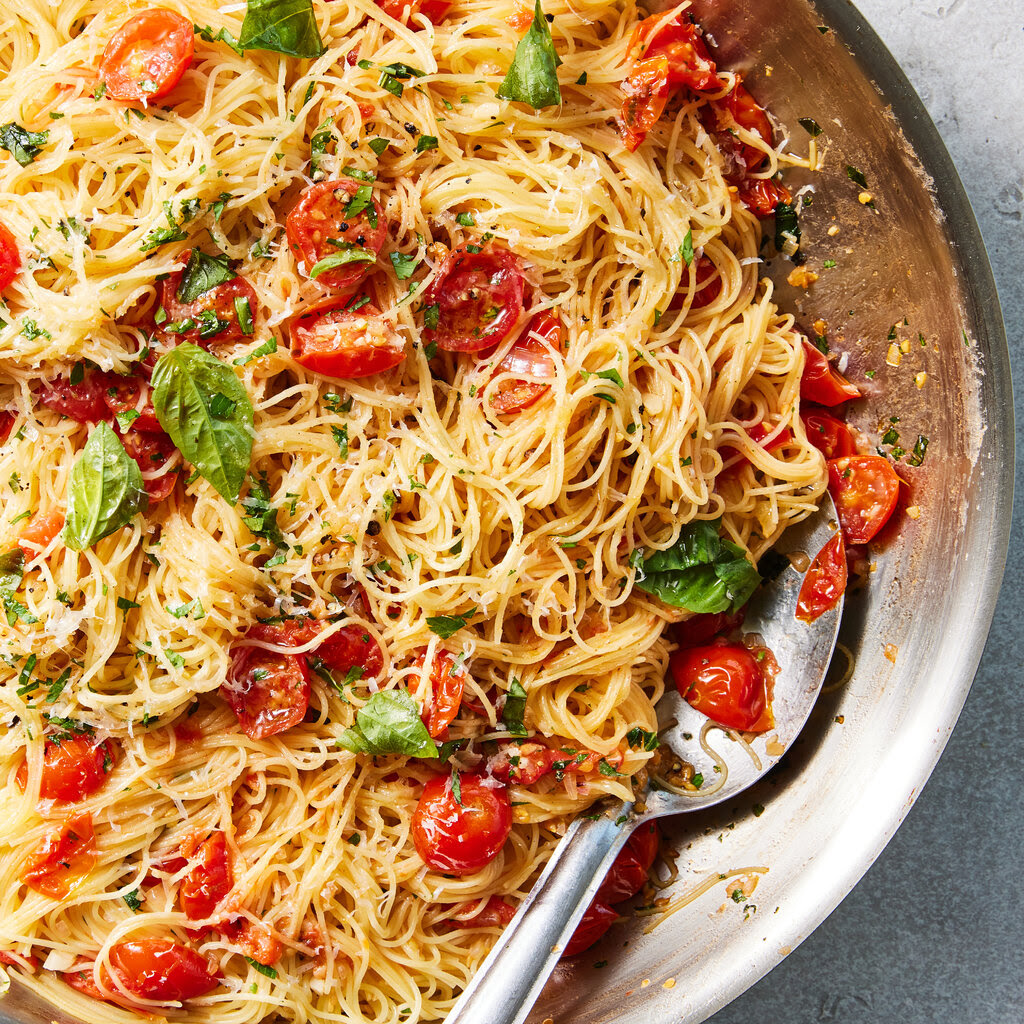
(787, 228)
(12, 571)
(267, 348)
(856, 176)
(515, 708)
(281, 26)
(641, 739)
(207, 34)
(203, 272)
(700, 572)
(405, 266)
(23, 145)
(105, 490)
(810, 126)
(318, 143)
(446, 626)
(261, 514)
(532, 78)
(389, 723)
(339, 259)
(188, 385)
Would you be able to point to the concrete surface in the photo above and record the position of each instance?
(934, 933)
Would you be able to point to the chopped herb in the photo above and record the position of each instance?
(23, 145)
(133, 900)
(125, 605)
(606, 769)
(378, 145)
(263, 969)
(920, 447)
(515, 708)
(787, 230)
(829, 264)
(532, 77)
(456, 787)
(269, 346)
(261, 515)
(223, 36)
(640, 739)
(466, 220)
(446, 626)
(810, 126)
(582, 80)
(758, 810)
(203, 273)
(426, 142)
(856, 176)
(361, 199)
(405, 266)
(318, 144)
(685, 250)
(341, 436)
(176, 660)
(243, 314)
(431, 317)
(697, 780)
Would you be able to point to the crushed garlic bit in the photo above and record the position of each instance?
(801, 277)
(833, 231)
(890, 652)
(864, 198)
(820, 327)
(893, 357)
(914, 511)
(920, 379)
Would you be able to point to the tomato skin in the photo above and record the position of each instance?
(350, 647)
(10, 257)
(62, 861)
(480, 299)
(150, 451)
(255, 938)
(761, 196)
(832, 437)
(824, 581)
(39, 531)
(531, 354)
(703, 628)
(522, 763)
(628, 873)
(219, 300)
(72, 769)
(403, 10)
(596, 920)
(676, 42)
(161, 969)
(821, 382)
(447, 684)
(319, 216)
(84, 401)
(461, 838)
(125, 394)
(750, 115)
(146, 57)
(209, 879)
(328, 339)
(7, 420)
(724, 682)
(269, 692)
(865, 489)
(494, 913)
(644, 95)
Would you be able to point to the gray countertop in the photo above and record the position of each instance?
(935, 931)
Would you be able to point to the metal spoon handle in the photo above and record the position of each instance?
(509, 981)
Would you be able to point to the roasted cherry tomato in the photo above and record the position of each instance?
(629, 871)
(224, 301)
(125, 395)
(73, 768)
(522, 763)
(479, 299)
(209, 879)
(675, 41)
(327, 338)
(7, 420)
(644, 95)
(151, 452)
(10, 959)
(703, 628)
(493, 913)
(161, 969)
(830, 436)
(403, 10)
(255, 938)
(707, 286)
(350, 647)
(458, 836)
(865, 489)
(146, 57)
(268, 691)
(750, 115)
(824, 582)
(39, 531)
(821, 382)
(62, 861)
(726, 683)
(10, 258)
(596, 920)
(761, 196)
(84, 401)
(337, 218)
(530, 354)
(447, 683)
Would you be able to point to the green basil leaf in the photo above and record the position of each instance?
(514, 709)
(389, 723)
(23, 145)
(12, 571)
(223, 36)
(189, 385)
(281, 26)
(339, 259)
(532, 77)
(405, 266)
(787, 229)
(700, 572)
(203, 272)
(446, 626)
(105, 490)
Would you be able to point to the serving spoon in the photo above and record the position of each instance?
(508, 982)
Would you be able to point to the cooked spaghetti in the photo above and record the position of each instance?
(459, 528)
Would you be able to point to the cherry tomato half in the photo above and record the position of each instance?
(596, 920)
(146, 57)
(629, 871)
(479, 298)
(761, 196)
(269, 692)
(225, 301)
(10, 258)
(39, 532)
(824, 582)
(446, 683)
(161, 969)
(726, 683)
(403, 10)
(209, 879)
(821, 382)
(255, 938)
(644, 95)
(865, 489)
(151, 452)
(677, 42)
(65, 856)
(530, 354)
(522, 763)
(7, 420)
(493, 913)
(329, 339)
(84, 401)
(830, 436)
(751, 116)
(125, 395)
(461, 837)
(73, 769)
(703, 628)
(350, 647)
(335, 218)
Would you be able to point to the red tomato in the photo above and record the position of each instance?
(7, 420)
(65, 856)
(762, 195)
(10, 959)
(522, 763)
(750, 115)
(39, 531)
(479, 298)
(350, 647)
(151, 451)
(824, 582)
(528, 355)
(73, 768)
(830, 436)
(10, 258)
(209, 879)
(821, 382)
(628, 874)
(256, 939)
(161, 969)
(644, 95)
(124, 394)
(334, 341)
(269, 692)
(319, 220)
(677, 43)
(495, 913)
(403, 10)
(703, 628)
(220, 300)
(597, 919)
(726, 683)
(459, 838)
(707, 286)
(84, 401)
(146, 57)
(447, 683)
(865, 489)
